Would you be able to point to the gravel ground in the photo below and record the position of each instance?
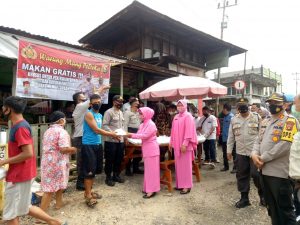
(211, 202)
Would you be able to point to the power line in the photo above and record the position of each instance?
(296, 79)
(225, 5)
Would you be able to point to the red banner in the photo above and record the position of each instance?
(50, 73)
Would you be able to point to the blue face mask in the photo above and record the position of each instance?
(295, 113)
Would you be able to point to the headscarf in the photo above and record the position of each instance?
(56, 116)
(184, 103)
(147, 113)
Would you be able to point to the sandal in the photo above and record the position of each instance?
(149, 196)
(96, 195)
(185, 192)
(91, 202)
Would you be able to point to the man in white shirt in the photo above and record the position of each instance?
(208, 124)
(82, 105)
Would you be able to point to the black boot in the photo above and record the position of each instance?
(109, 181)
(117, 178)
(244, 201)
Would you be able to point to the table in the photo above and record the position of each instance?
(132, 146)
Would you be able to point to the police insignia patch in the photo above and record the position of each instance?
(289, 130)
(275, 139)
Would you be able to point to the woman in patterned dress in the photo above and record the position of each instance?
(55, 160)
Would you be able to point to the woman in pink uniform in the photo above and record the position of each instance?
(150, 149)
(184, 142)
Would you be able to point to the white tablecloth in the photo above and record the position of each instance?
(162, 140)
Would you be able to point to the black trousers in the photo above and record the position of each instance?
(278, 194)
(77, 142)
(114, 154)
(225, 159)
(246, 169)
(135, 161)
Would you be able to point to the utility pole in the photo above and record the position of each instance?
(224, 5)
(296, 79)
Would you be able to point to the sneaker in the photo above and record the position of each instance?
(206, 162)
(118, 179)
(212, 165)
(242, 203)
(109, 182)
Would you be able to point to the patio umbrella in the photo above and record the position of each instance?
(189, 87)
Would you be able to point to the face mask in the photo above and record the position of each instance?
(295, 113)
(274, 109)
(180, 109)
(119, 105)
(243, 109)
(205, 114)
(6, 116)
(96, 106)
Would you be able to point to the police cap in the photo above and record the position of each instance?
(242, 101)
(118, 98)
(279, 97)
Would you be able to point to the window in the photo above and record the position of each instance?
(147, 53)
(172, 49)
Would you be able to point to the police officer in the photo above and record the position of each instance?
(113, 149)
(271, 155)
(243, 130)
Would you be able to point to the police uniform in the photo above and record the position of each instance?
(273, 146)
(244, 131)
(113, 149)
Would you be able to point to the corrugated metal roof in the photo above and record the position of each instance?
(8, 46)
(9, 43)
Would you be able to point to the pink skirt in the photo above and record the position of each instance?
(184, 169)
(151, 174)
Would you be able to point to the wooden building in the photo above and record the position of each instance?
(157, 47)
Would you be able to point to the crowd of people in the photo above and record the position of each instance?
(259, 139)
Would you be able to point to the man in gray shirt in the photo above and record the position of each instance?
(113, 149)
(271, 155)
(243, 131)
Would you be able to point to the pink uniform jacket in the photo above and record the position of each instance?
(183, 131)
(147, 132)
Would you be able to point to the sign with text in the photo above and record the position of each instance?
(50, 73)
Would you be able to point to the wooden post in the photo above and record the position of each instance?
(121, 81)
(3, 155)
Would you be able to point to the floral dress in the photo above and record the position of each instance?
(55, 165)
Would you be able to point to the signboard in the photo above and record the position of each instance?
(3, 155)
(50, 73)
(239, 85)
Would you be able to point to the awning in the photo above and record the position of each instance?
(9, 44)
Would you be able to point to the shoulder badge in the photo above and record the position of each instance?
(289, 130)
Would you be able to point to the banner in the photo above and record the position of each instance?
(50, 73)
